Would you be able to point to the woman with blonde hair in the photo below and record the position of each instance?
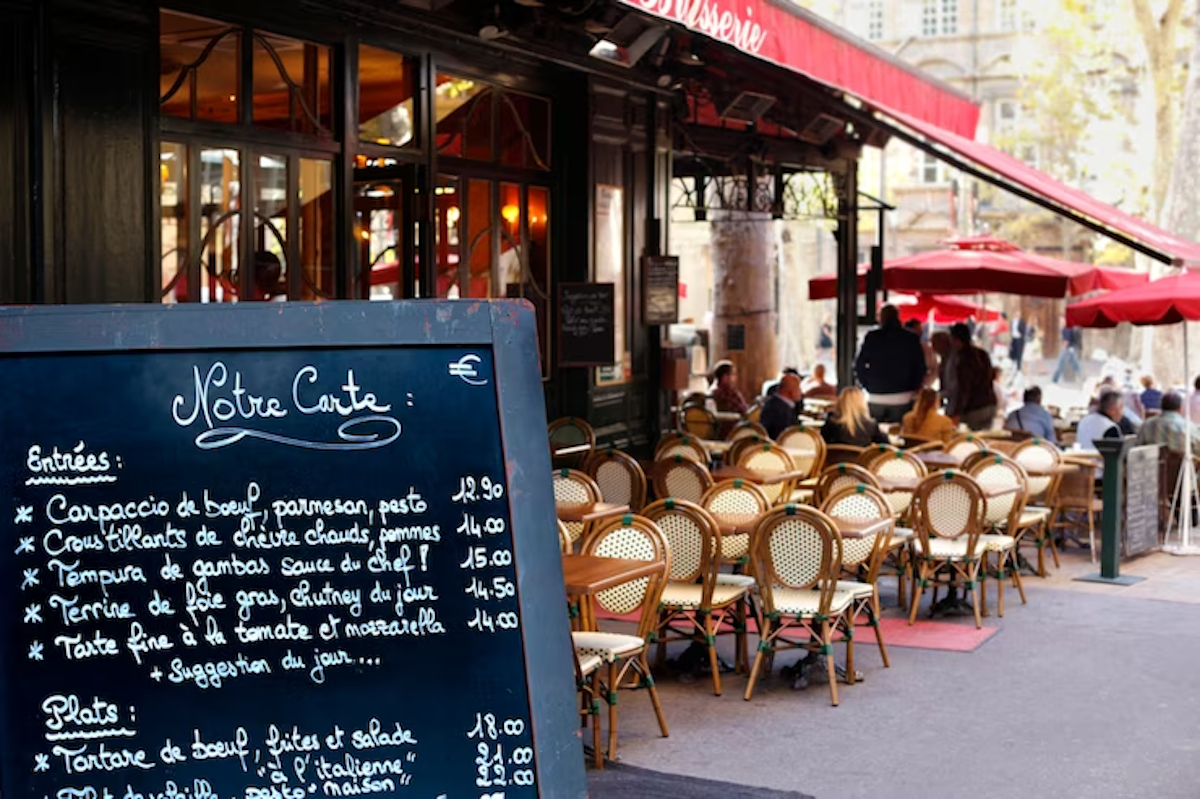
(850, 422)
(925, 420)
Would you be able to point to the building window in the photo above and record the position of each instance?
(386, 90)
(933, 170)
(479, 121)
(1006, 15)
(874, 19)
(939, 17)
(199, 68)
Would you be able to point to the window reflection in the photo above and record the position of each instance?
(220, 199)
(386, 87)
(173, 199)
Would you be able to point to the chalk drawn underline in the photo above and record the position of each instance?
(225, 436)
(86, 479)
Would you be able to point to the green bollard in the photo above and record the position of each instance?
(1113, 450)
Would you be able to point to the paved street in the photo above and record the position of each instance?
(1087, 691)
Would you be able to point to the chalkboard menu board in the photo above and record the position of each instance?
(1141, 500)
(280, 552)
(660, 295)
(585, 324)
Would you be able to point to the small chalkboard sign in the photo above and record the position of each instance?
(585, 324)
(735, 338)
(660, 294)
(273, 550)
(1141, 500)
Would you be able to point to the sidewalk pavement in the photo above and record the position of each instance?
(1087, 691)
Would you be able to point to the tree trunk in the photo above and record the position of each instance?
(743, 257)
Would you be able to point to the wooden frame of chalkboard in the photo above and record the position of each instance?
(39, 340)
(595, 344)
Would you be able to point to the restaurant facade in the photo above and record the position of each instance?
(218, 151)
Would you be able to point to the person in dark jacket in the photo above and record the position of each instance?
(850, 422)
(781, 410)
(974, 404)
(891, 367)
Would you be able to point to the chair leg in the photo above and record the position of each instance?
(1054, 548)
(1091, 519)
(983, 559)
(1016, 577)
(973, 576)
(612, 710)
(1002, 558)
(873, 614)
(594, 712)
(710, 637)
(918, 592)
(654, 700)
(830, 665)
(848, 621)
(764, 636)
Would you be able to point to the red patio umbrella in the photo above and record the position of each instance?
(946, 310)
(984, 265)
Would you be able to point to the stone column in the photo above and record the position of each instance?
(744, 264)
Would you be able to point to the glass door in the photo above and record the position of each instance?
(385, 233)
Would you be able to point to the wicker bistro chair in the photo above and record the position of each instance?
(898, 464)
(734, 454)
(698, 421)
(963, 445)
(802, 436)
(839, 476)
(570, 431)
(586, 687)
(684, 445)
(695, 604)
(947, 519)
(681, 478)
(797, 561)
(841, 453)
(636, 538)
(736, 498)
(1038, 455)
(1002, 521)
(744, 428)
(619, 476)
(861, 560)
(572, 487)
(1076, 505)
(874, 452)
(770, 458)
(564, 538)
(753, 413)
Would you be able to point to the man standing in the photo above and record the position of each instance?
(1032, 417)
(891, 367)
(779, 410)
(974, 401)
(1016, 344)
(1169, 428)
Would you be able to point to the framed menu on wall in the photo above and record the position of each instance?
(660, 289)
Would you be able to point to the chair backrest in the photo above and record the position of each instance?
(963, 445)
(768, 458)
(573, 487)
(564, 538)
(898, 463)
(1034, 455)
(696, 420)
(570, 431)
(841, 453)
(685, 446)
(693, 399)
(948, 504)
(996, 470)
(861, 502)
(632, 537)
(681, 478)
(692, 538)
(797, 547)
(744, 428)
(1077, 488)
(753, 413)
(804, 437)
(875, 451)
(740, 445)
(839, 476)
(735, 498)
(619, 476)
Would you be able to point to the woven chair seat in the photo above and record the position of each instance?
(746, 580)
(807, 601)
(901, 535)
(606, 646)
(589, 663)
(855, 588)
(1033, 515)
(944, 548)
(686, 596)
(995, 542)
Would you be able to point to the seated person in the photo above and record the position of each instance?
(925, 419)
(769, 387)
(779, 410)
(850, 422)
(724, 389)
(1101, 422)
(1032, 417)
(817, 388)
(1169, 428)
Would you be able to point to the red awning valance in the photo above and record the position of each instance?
(1017, 176)
(798, 40)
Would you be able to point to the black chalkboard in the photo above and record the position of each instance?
(660, 292)
(280, 551)
(585, 324)
(1141, 500)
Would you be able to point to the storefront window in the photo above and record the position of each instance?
(271, 263)
(198, 68)
(386, 88)
(292, 89)
(524, 131)
(448, 225)
(316, 228)
(173, 198)
(220, 199)
(481, 122)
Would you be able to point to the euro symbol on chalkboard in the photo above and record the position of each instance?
(464, 368)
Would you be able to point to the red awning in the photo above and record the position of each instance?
(1163, 302)
(798, 40)
(1017, 176)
